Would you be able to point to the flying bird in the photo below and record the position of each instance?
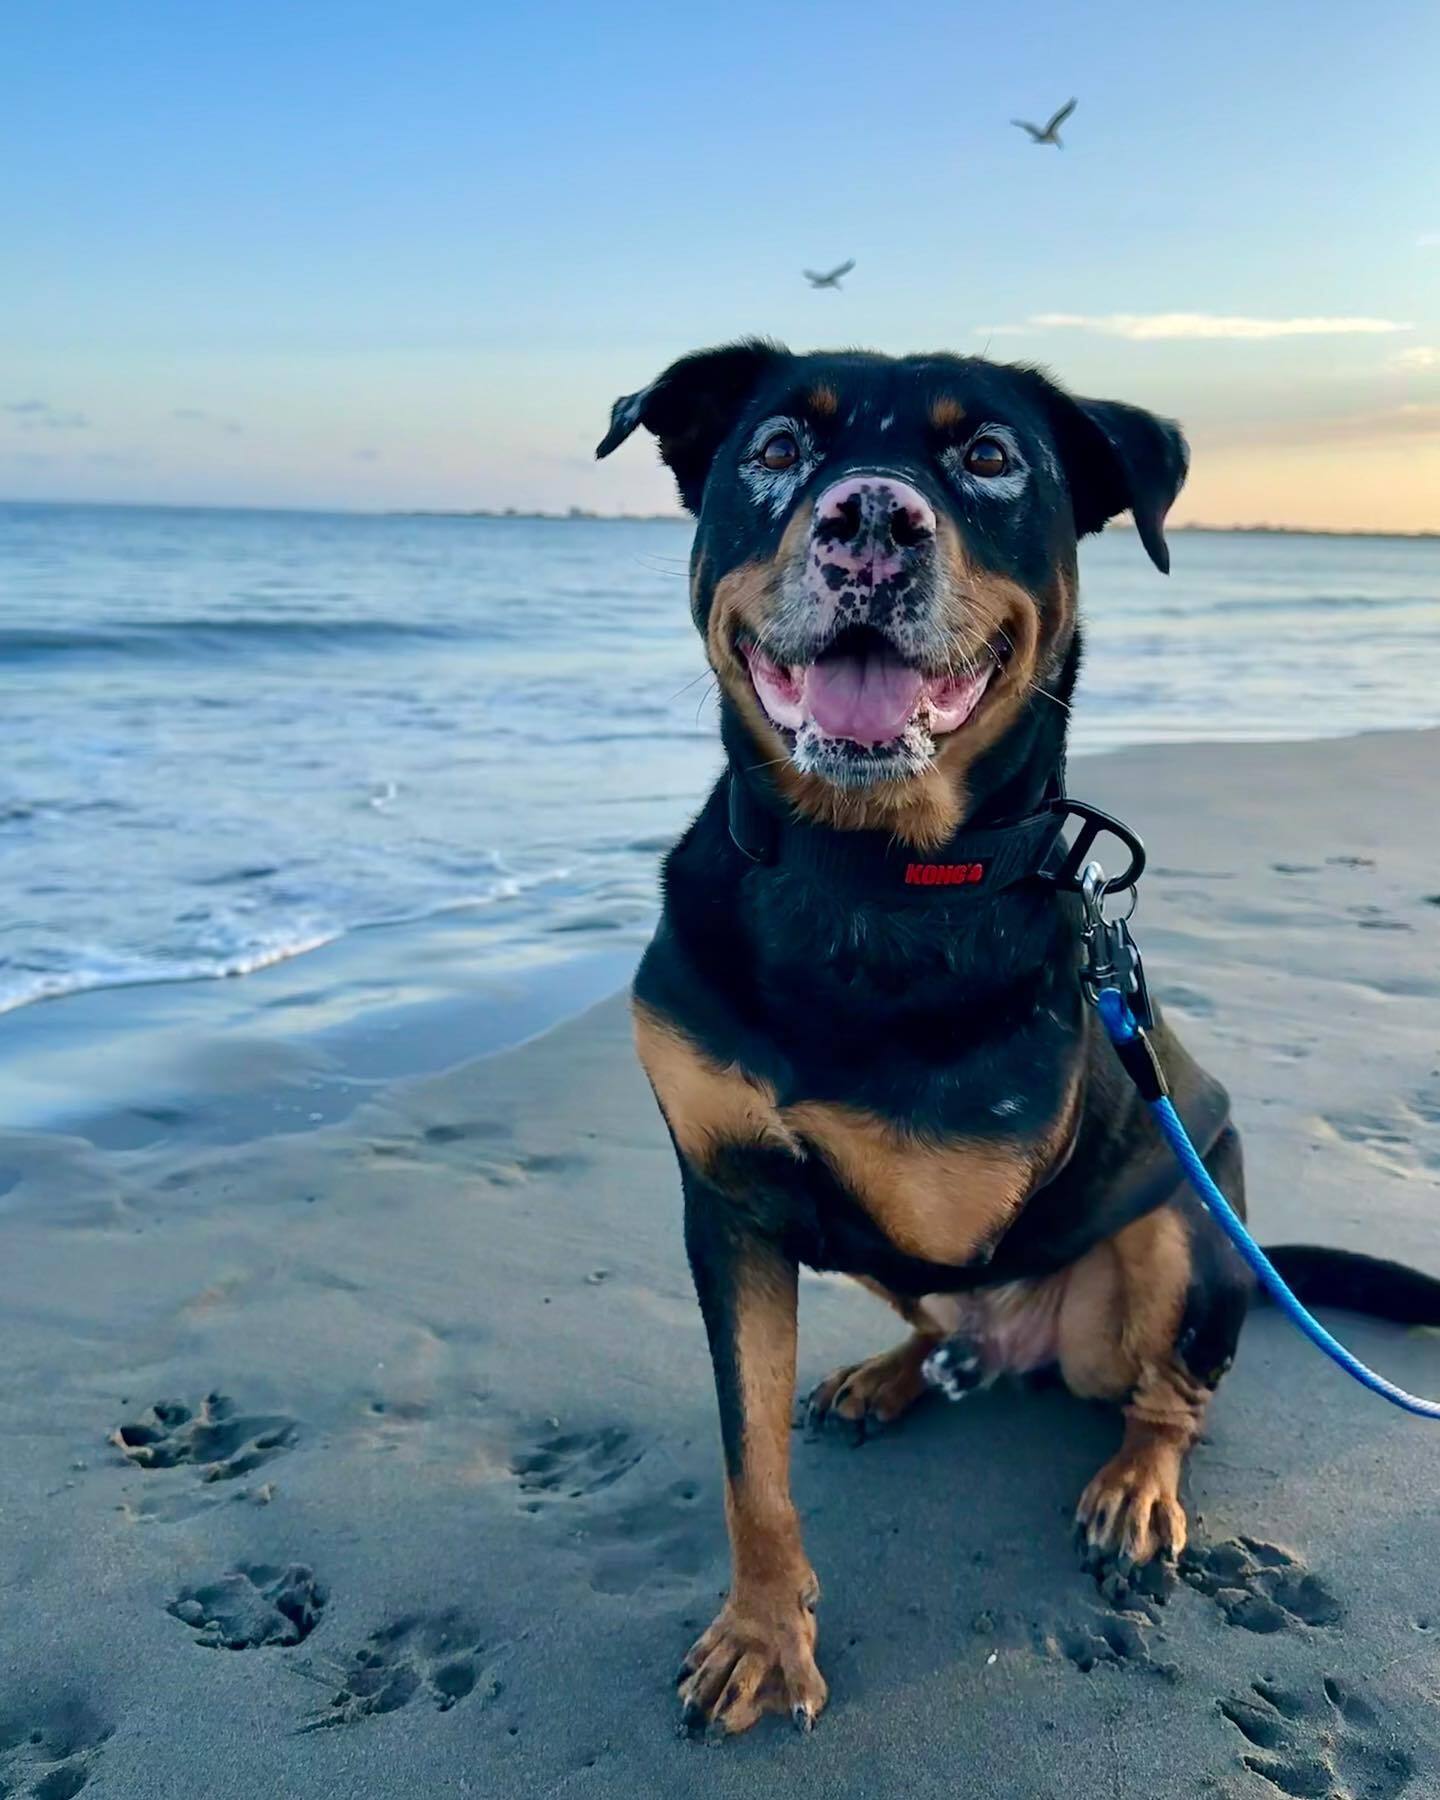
(1050, 133)
(830, 280)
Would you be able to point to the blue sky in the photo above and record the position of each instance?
(367, 255)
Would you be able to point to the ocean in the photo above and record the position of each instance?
(234, 737)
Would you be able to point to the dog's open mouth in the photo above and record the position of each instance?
(861, 692)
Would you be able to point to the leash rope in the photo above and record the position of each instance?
(1113, 958)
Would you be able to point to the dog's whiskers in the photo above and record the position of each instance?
(686, 687)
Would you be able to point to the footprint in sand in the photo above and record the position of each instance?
(213, 1437)
(1401, 1140)
(1096, 1640)
(1258, 1586)
(662, 1538)
(1119, 1639)
(572, 1465)
(439, 1660)
(458, 1131)
(153, 1508)
(634, 1541)
(252, 1605)
(1333, 1745)
(48, 1749)
(438, 1137)
(514, 1167)
(519, 1169)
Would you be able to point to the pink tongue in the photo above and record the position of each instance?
(868, 699)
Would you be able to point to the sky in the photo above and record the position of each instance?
(373, 256)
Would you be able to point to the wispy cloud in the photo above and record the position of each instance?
(367, 456)
(1415, 360)
(1154, 327)
(1428, 240)
(1414, 419)
(194, 415)
(40, 415)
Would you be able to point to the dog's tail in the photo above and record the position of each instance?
(1359, 1283)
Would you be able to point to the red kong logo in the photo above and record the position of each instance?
(943, 874)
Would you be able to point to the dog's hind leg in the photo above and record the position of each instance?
(1151, 1317)
(863, 1398)
(1120, 1321)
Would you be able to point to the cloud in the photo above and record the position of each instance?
(367, 456)
(1428, 240)
(1154, 327)
(40, 415)
(193, 415)
(1414, 419)
(1416, 359)
(1411, 420)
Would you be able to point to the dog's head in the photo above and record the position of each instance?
(884, 567)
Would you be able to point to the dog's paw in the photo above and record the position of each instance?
(1130, 1516)
(757, 1657)
(955, 1367)
(863, 1398)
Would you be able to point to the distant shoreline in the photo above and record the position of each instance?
(576, 515)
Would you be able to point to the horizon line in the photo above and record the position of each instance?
(577, 515)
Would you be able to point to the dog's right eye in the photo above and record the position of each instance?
(986, 457)
(779, 452)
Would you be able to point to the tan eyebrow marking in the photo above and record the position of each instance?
(946, 413)
(824, 400)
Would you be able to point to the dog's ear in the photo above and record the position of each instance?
(1120, 457)
(691, 408)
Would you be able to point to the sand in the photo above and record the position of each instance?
(420, 1492)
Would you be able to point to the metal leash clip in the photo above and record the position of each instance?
(1112, 958)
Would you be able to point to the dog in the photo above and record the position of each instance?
(861, 1012)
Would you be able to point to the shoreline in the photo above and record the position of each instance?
(299, 1044)
(453, 985)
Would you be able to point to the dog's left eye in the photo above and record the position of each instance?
(987, 457)
(779, 452)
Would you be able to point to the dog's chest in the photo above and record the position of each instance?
(930, 1170)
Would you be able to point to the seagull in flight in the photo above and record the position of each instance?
(1049, 133)
(832, 278)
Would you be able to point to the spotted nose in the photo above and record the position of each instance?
(873, 524)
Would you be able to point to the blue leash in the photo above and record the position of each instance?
(1128, 1038)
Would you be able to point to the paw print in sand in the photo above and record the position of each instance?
(1334, 1745)
(212, 1437)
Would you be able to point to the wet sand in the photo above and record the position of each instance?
(418, 1485)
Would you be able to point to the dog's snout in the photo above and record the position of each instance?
(872, 559)
(874, 514)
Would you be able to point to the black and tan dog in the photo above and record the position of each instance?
(861, 1013)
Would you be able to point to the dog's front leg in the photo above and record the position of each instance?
(759, 1654)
